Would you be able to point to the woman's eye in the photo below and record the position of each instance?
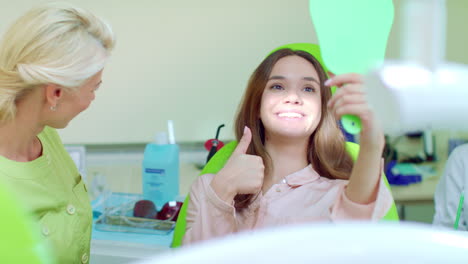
(277, 87)
(309, 89)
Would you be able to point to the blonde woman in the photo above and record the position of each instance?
(291, 165)
(51, 63)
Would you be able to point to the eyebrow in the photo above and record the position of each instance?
(277, 77)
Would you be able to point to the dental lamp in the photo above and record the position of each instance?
(421, 91)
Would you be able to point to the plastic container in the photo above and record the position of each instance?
(118, 216)
(161, 171)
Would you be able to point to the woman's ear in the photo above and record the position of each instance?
(53, 94)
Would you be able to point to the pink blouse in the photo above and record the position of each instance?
(303, 196)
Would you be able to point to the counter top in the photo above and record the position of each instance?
(123, 247)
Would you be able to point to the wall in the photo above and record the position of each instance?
(119, 169)
(183, 60)
(190, 61)
(456, 31)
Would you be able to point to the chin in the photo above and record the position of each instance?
(58, 125)
(293, 130)
(292, 133)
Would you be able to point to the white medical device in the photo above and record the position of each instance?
(421, 91)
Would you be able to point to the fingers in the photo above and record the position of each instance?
(349, 100)
(244, 142)
(360, 110)
(340, 80)
(347, 94)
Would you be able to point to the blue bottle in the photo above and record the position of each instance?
(161, 171)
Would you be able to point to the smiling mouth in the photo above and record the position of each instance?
(290, 115)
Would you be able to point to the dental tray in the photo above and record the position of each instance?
(121, 223)
(117, 216)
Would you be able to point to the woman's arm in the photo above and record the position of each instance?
(211, 212)
(350, 99)
(207, 215)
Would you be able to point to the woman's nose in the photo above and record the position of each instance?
(293, 98)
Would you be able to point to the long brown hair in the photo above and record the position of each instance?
(326, 150)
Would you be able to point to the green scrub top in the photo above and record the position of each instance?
(19, 237)
(52, 190)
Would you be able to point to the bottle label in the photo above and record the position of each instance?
(155, 171)
(153, 183)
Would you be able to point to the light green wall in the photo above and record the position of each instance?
(456, 31)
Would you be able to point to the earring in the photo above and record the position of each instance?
(53, 108)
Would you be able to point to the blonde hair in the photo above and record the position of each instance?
(54, 43)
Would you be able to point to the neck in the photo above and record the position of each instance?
(18, 137)
(287, 156)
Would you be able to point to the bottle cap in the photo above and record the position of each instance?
(161, 138)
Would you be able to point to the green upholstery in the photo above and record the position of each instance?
(217, 163)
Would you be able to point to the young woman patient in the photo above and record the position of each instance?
(291, 165)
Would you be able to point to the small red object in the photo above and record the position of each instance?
(144, 208)
(211, 142)
(170, 211)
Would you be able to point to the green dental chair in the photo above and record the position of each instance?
(217, 162)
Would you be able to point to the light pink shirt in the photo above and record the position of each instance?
(303, 196)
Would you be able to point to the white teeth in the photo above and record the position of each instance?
(291, 115)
